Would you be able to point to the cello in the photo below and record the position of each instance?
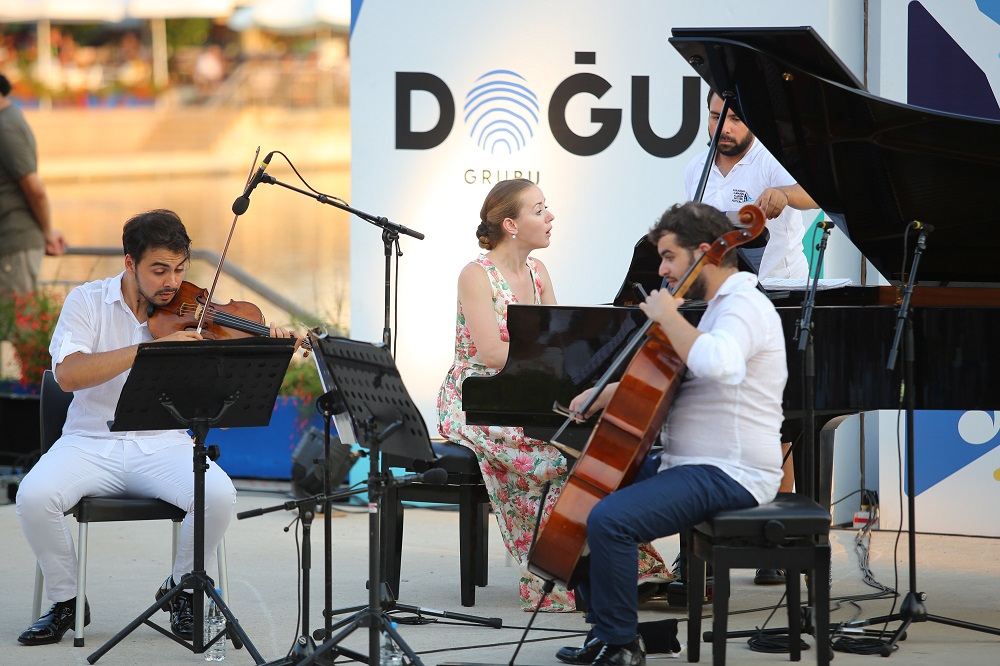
(625, 431)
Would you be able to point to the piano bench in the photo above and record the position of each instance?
(790, 533)
(465, 488)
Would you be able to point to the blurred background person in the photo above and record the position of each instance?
(26, 231)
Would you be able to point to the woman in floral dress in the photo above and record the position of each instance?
(514, 221)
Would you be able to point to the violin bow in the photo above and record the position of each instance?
(225, 249)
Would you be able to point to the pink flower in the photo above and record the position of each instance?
(524, 463)
(524, 506)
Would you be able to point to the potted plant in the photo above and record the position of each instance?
(26, 322)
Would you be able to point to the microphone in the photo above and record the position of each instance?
(252, 513)
(432, 477)
(243, 201)
(921, 226)
(826, 224)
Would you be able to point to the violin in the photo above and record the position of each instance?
(626, 430)
(235, 319)
(192, 307)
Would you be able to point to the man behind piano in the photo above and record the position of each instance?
(744, 172)
(721, 439)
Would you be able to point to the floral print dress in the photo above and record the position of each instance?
(515, 468)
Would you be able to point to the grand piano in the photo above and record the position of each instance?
(874, 166)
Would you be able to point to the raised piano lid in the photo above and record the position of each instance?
(880, 164)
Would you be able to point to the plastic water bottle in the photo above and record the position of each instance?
(215, 622)
(390, 654)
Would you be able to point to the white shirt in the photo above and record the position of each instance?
(95, 318)
(727, 411)
(755, 172)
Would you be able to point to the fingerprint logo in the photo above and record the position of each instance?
(501, 112)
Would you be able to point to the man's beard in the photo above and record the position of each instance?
(152, 298)
(738, 148)
(696, 291)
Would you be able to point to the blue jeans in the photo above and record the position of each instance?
(656, 505)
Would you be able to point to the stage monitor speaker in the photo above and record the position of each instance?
(307, 474)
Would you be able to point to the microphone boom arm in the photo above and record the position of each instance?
(381, 222)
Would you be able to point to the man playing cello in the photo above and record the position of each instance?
(721, 438)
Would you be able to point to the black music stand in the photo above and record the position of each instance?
(381, 416)
(200, 385)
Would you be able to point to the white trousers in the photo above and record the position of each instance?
(65, 474)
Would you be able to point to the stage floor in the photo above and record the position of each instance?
(960, 575)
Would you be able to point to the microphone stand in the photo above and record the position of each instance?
(804, 336)
(390, 235)
(328, 404)
(305, 648)
(912, 608)
(806, 339)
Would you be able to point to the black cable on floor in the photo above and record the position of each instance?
(860, 645)
(773, 643)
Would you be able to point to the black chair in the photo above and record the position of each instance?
(466, 489)
(790, 533)
(54, 405)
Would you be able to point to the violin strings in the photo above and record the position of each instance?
(232, 321)
(224, 318)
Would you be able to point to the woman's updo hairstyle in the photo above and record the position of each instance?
(503, 201)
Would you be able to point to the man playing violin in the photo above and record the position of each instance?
(93, 347)
(721, 438)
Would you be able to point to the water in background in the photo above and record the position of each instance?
(296, 245)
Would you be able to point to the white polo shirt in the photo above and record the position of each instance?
(727, 411)
(95, 318)
(757, 171)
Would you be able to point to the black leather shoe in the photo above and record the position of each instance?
(181, 610)
(621, 655)
(50, 627)
(584, 654)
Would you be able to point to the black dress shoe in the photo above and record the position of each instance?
(50, 627)
(621, 655)
(181, 610)
(584, 654)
